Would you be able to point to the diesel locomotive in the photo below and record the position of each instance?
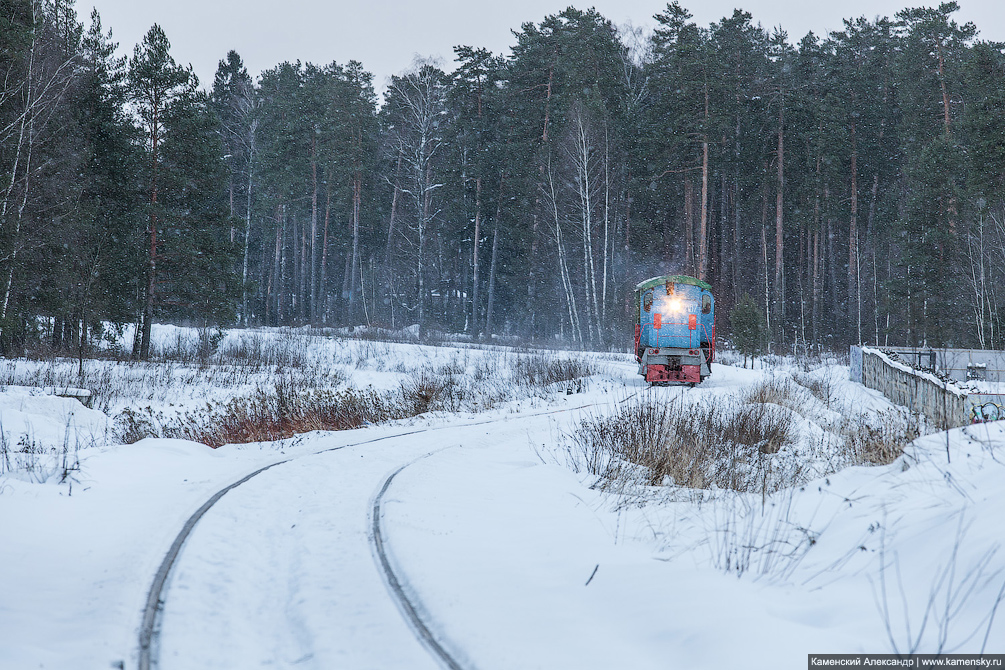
(674, 329)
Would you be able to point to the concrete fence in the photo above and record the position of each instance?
(946, 402)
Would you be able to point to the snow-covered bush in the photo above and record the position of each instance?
(725, 444)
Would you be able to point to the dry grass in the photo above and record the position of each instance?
(822, 386)
(727, 445)
(265, 416)
(758, 537)
(539, 370)
(867, 438)
(881, 441)
(268, 384)
(737, 442)
(40, 463)
(311, 398)
(778, 390)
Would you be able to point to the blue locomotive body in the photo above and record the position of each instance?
(674, 329)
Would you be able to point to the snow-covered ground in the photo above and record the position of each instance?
(515, 555)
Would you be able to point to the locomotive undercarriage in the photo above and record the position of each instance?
(664, 365)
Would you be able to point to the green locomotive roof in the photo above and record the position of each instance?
(676, 279)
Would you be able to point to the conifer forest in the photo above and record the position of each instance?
(851, 185)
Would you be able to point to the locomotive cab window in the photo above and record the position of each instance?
(706, 304)
(647, 301)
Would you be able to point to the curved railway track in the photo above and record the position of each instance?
(148, 633)
(155, 597)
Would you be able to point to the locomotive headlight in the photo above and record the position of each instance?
(675, 305)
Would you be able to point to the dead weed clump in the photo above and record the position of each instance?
(881, 441)
(782, 391)
(36, 462)
(539, 370)
(726, 445)
(822, 386)
(427, 390)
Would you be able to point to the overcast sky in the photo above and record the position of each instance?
(385, 35)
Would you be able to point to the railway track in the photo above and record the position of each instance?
(148, 642)
(155, 597)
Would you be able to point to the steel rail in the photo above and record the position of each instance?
(154, 602)
(394, 584)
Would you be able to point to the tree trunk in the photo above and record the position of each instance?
(492, 280)
(817, 227)
(355, 268)
(722, 273)
(816, 287)
(689, 266)
(801, 284)
(304, 298)
(703, 223)
(854, 299)
(768, 312)
(394, 211)
(420, 269)
(247, 232)
(607, 217)
(736, 208)
(563, 267)
(495, 254)
(779, 223)
(388, 250)
(283, 294)
(584, 151)
(871, 251)
(148, 309)
(324, 258)
(474, 255)
(736, 238)
(312, 307)
(951, 209)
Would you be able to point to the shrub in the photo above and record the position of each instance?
(539, 370)
(727, 444)
(881, 441)
(823, 386)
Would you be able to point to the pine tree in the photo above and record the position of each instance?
(930, 78)
(156, 82)
(102, 257)
(749, 328)
(198, 261)
(235, 102)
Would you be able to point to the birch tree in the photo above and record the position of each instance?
(417, 99)
(35, 81)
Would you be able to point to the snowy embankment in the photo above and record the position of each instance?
(521, 565)
(514, 553)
